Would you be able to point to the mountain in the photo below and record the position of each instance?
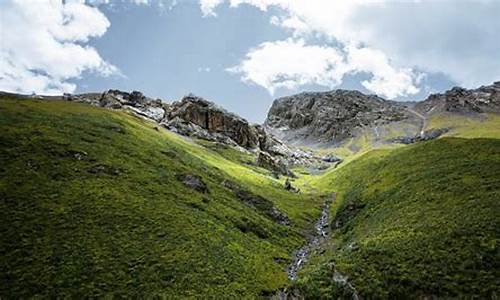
(331, 117)
(116, 194)
(355, 121)
(459, 100)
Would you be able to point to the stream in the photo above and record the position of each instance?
(322, 230)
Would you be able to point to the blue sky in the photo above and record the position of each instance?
(171, 53)
(242, 54)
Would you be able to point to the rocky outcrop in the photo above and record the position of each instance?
(274, 164)
(424, 136)
(192, 116)
(459, 100)
(116, 99)
(193, 181)
(201, 118)
(327, 117)
(331, 158)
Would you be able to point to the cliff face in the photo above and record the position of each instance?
(215, 120)
(326, 117)
(459, 100)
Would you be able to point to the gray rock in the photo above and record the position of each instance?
(266, 161)
(426, 136)
(331, 158)
(155, 113)
(193, 181)
(328, 117)
(460, 100)
(215, 120)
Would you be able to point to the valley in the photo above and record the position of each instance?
(337, 195)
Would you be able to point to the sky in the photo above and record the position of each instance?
(242, 54)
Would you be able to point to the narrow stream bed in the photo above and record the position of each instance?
(322, 229)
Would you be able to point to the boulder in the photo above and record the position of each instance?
(266, 161)
(331, 158)
(193, 181)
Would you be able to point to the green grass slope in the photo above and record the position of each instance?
(468, 126)
(414, 222)
(90, 206)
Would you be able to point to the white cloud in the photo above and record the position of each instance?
(46, 48)
(291, 63)
(208, 6)
(388, 39)
(388, 81)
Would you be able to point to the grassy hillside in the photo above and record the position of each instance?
(90, 204)
(422, 220)
(468, 126)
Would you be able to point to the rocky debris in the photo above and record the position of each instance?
(186, 128)
(279, 217)
(289, 155)
(263, 205)
(116, 99)
(331, 158)
(328, 117)
(274, 164)
(425, 136)
(459, 100)
(193, 181)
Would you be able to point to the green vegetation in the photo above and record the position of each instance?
(90, 206)
(423, 220)
(468, 126)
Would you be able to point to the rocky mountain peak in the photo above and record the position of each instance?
(325, 117)
(461, 100)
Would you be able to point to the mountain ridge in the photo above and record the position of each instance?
(102, 200)
(326, 118)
